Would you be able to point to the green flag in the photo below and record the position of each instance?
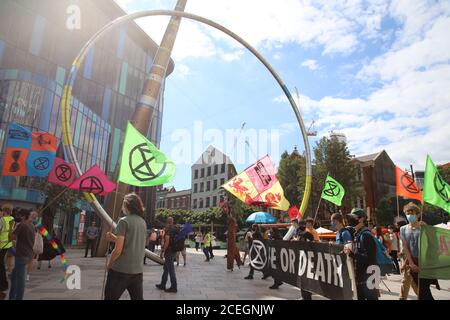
(333, 191)
(434, 253)
(435, 190)
(142, 164)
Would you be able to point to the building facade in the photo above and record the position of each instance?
(170, 198)
(37, 48)
(377, 174)
(209, 172)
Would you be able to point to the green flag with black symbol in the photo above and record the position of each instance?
(435, 190)
(142, 164)
(333, 191)
(434, 253)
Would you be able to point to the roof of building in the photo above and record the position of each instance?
(369, 157)
(179, 193)
(212, 155)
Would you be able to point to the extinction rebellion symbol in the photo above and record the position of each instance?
(91, 185)
(41, 163)
(141, 166)
(63, 172)
(408, 183)
(441, 188)
(258, 255)
(333, 189)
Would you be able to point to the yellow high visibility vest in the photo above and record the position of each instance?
(4, 242)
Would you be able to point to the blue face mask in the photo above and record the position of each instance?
(333, 225)
(411, 218)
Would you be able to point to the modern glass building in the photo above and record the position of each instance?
(39, 39)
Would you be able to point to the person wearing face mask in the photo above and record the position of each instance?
(410, 237)
(344, 234)
(363, 252)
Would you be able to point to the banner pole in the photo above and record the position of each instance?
(54, 199)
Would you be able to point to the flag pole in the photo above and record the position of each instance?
(398, 208)
(317, 210)
(54, 199)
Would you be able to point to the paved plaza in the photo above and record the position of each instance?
(199, 280)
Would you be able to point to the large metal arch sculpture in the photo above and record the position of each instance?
(68, 86)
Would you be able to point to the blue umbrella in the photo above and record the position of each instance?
(261, 217)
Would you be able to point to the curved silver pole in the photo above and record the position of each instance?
(65, 101)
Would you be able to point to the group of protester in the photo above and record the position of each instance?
(206, 243)
(400, 242)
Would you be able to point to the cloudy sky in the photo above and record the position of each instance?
(377, 71)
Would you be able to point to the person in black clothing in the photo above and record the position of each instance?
(364, 253)
(275, 235)
(256, 236)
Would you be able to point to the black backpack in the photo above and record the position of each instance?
(177, 240)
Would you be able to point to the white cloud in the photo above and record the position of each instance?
(310, 64)
(232, 56)
(182, 70)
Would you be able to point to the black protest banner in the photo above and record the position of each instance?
(320, 268)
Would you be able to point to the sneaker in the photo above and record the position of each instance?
(207, 260)
(249, 278)
(171, 290)
(160, 287)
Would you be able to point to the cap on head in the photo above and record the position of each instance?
(357, 213)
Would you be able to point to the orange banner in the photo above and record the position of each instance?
(406, 186)
(15, 162)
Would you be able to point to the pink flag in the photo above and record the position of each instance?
(94, 181)
(62, 173)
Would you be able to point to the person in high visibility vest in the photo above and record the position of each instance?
(6, 223)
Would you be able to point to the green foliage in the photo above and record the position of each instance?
(60, 199)
(188, 216)
(291, 174)
(386, 211)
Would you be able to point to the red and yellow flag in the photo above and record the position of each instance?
(406, 186)
(258, 185)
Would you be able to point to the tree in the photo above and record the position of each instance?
(386, 211)
(332, 157)
(291, 173)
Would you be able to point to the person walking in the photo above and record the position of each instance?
(206, 245)
(198, 240)
(363, 252)
(169, 256)
(6, 224)
(152, 240)
(183, 254)
(256, 235)
(24, 235)
(92, 234)
(125, 268)
(409, 235)
(247, 243)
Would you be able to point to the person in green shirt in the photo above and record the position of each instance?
(125, 268)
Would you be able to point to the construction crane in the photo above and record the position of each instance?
(309, 133)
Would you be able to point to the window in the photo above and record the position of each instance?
(216, 169)
(209, 171)
(195, 204)
(359, 174)
(201, 203)
(202, 187)
(208, 185)
(222, 181)
(195, 188)
(207, 202)
(196, 174)
(215, 185)
(202, 173)
(222, 169)
(214, 201)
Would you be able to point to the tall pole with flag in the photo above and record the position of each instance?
(147, 103)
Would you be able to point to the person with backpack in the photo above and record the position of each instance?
(125, 267)
(344, 234)
(363, 252)
(168, 253)
(394, 247)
